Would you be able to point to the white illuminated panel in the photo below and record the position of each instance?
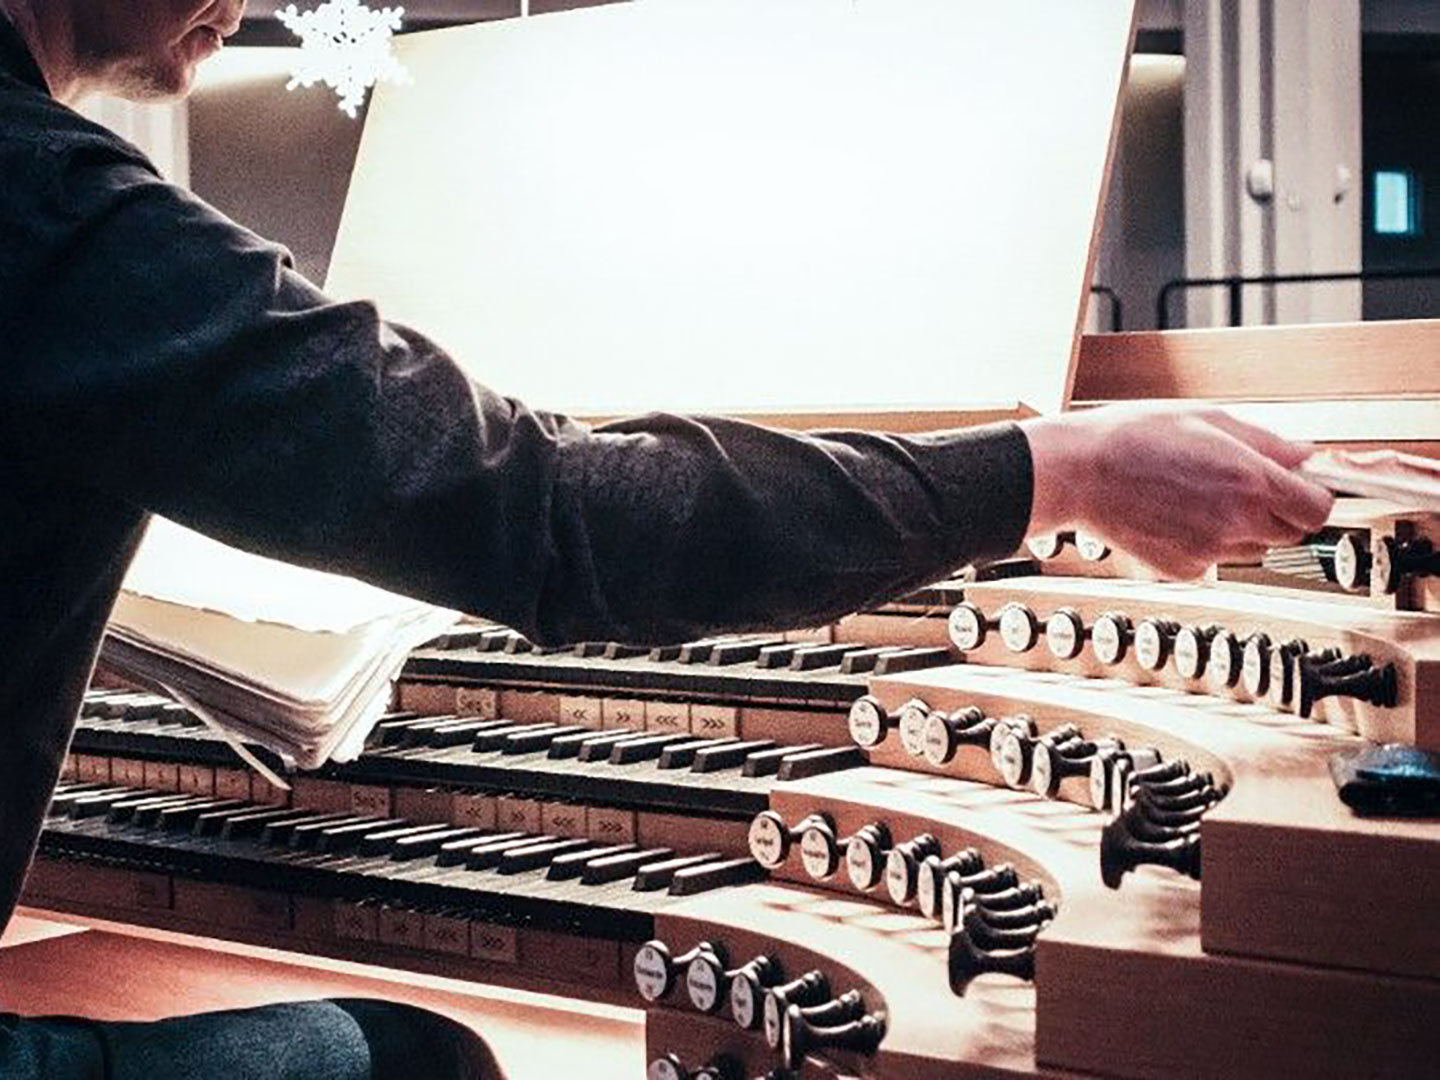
(745, 204)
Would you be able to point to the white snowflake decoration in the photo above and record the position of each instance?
(347, 46)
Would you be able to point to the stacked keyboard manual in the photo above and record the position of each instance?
(295, 660)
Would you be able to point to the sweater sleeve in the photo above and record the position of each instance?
(163, 355)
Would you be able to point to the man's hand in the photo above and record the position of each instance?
(1178, 488)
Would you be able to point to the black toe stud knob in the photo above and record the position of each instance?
(967, 960)
(1395, 560)
(1121, 852)
(1377, 686)
(801, 1036)
(812, 988)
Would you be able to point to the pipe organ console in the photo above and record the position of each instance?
(1046, 819)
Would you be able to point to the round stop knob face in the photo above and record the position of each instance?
(862, 863)
(1011, 759)
(702, 982)
(914, 715)
(1108, 639)
(867, 722)
(666, 1068)
(1042, 770)
(1018, 628)
(1255, 667)
(769, 839)
(1091, 548)
(652, 972)
(1045, 546)
(1189, 653)
(743, 994)
(773, 1019)
(1064, 635)
(1149, 646)
(966, 627)
(900, 874)
(939, 746)
(817, 852)
(1350, 559)
(1383, 564)
(1225, 661)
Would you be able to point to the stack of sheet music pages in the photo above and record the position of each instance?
(295, 660)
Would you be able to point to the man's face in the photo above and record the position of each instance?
(146, 49)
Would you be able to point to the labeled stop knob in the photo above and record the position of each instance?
(913, 716)
(1255, 665)
(1227, 656)
(770, 839)
(1153, 641)
(709, 985)
(869, 722)
(930, 886)
(655, 969)
(820, 850)
(812, 988)
(748, 985)
(1019, 628)
(1047, 546)
(945, 733)
(1110, 637)
(1395, 560)
(902, 867)
(1352, 562)
(1192, 649)
(968, 626)
(865, 856)
(1090, 546)
(1065, 634)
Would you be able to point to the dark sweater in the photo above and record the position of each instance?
(156, 357)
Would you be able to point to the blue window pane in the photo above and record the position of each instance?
(1395, 204)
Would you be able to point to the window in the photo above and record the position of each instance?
(1396, 203)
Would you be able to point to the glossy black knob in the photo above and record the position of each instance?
(1120, 852)
(812, 988)
(869, 721)
(1016, 751)
(770, 838)
(945, 733)
(1019, 627)
(1376, 686)
(902, 867)
(655, 968)
(801, 1036)
(989, 935)
(748, 984)
(1110, 637)
(1065, 634)
(672, 1067)
(1395, 560)
(1026, 916)
(981, 883)
(865, 855)
(967, 960)
(968, 626)
(1284, 662)
(1020, 723)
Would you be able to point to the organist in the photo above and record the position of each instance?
(160, 358)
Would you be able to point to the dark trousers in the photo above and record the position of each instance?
(314, 1040)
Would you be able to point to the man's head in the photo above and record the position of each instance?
(137, 49)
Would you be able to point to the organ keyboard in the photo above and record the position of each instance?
(1044, 819)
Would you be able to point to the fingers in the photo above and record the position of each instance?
(1301, 503)
(1283, 452)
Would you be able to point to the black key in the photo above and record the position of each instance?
(658, 875)
(488, 856)
(568, 746)
(533, 856)
(598, 747)
(143, 707)
(427, 844)
(532, 742)
(682, 755)
(345, 835)
(731, 756)
(243, 825)
(124, 811)
(383, 841)
(616, 651)
(815, 657)
(495, 737)
(149, 815)
(517, 644)
(665, 652)
(113, 708)
(698, 652)
(862, 660)
(176, 715)
(211, 822)
(462, 637)
(644, 748)
(62, 801)
(741, 652)
(588, 649)
(608, 868)
(304, 837)
(278, 832)
(912, 660)
(818, 762)
(456, 733)
(767, 762)
(453, 852)
(393, 732)
(98, 803)
(690, 880)
(572, 864)
(777, 656)
(494, 640)
(183, 817)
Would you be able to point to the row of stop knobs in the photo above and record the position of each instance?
(797, 1016)
(992, 917)
(1022, 755)
(1285, 673)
